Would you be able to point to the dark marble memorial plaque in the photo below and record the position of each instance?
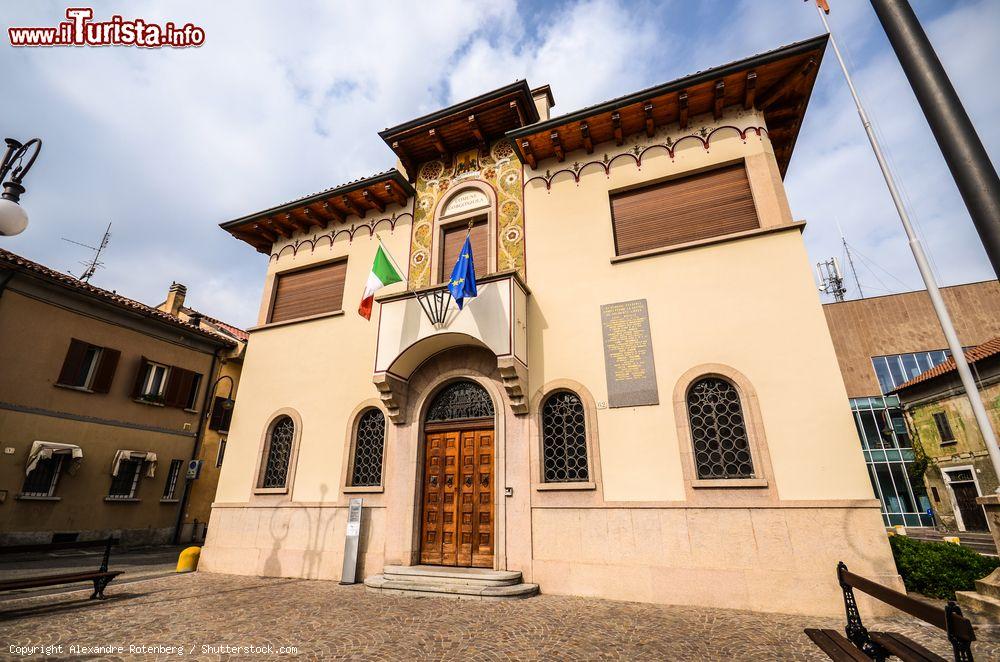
(628, 354)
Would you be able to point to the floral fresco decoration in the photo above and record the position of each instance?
(498, 167)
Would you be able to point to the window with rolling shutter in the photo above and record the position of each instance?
(452, 239)
(709, 204)
(88, 366)
(306, 292)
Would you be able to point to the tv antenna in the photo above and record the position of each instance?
(850, 260)
(831, 279)
(91, 266)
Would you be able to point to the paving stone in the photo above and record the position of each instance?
(324, 620)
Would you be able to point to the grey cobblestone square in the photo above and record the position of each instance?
(323, 620)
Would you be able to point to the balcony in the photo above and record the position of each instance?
(496, 319)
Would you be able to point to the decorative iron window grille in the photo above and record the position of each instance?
(564, 439)
(41, 482)
(125, 484)
(279, 452)
(369, 440)
(718, 430)
(461, 400)
(170, 487)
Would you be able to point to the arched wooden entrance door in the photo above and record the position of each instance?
(457, 515)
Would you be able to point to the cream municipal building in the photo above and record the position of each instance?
(642, 403)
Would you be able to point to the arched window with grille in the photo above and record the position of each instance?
(369, 444)
(277, 453)
(564, 439)
(718, 430)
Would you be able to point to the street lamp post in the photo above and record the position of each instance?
(960, 145)
(228, 403)
(13, 218)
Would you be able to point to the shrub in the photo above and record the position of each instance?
(938, 569)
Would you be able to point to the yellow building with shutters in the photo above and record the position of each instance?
(103, 402)
(642, 402)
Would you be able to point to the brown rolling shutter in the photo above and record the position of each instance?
(105, 370)
(73, 362)
(451, 244)
(308, 292)
(140, 377)
(709, 204)
(179, 383)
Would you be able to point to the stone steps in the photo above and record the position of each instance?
(983, 604)
(448, 582)
(978, 607)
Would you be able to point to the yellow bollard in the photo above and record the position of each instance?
(188, 560)
(900, 530)
(952, 539)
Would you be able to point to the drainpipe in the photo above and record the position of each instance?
(5, 278)
(202, 417)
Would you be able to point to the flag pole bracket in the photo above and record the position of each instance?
(435, 304)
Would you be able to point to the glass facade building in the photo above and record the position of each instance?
(888, 453)
(885, 440)
(896, 369)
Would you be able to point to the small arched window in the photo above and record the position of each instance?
(718, 430)
(564, 439)
(278, 453)
(369, 443)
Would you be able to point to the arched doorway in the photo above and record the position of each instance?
(458, 481)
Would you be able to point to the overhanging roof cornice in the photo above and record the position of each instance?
(773, 62)
(462, 107)
(461, 126)
(354, 198)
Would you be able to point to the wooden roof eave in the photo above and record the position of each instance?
(815, 46)
(461, 126)
(461, 110)
(261, 229)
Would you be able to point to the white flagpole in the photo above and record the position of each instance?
(957, 353)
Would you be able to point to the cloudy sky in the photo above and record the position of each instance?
(286, 99)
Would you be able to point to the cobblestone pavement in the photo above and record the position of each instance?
(328, 621)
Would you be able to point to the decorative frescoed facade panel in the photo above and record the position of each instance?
(497, 167)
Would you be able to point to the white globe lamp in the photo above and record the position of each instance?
(17, 161)
(13, 218)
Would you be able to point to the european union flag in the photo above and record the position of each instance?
(463, 277)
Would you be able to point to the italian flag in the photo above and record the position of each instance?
(382, 274)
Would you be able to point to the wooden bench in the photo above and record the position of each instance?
(860, 644)
(101, 577)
